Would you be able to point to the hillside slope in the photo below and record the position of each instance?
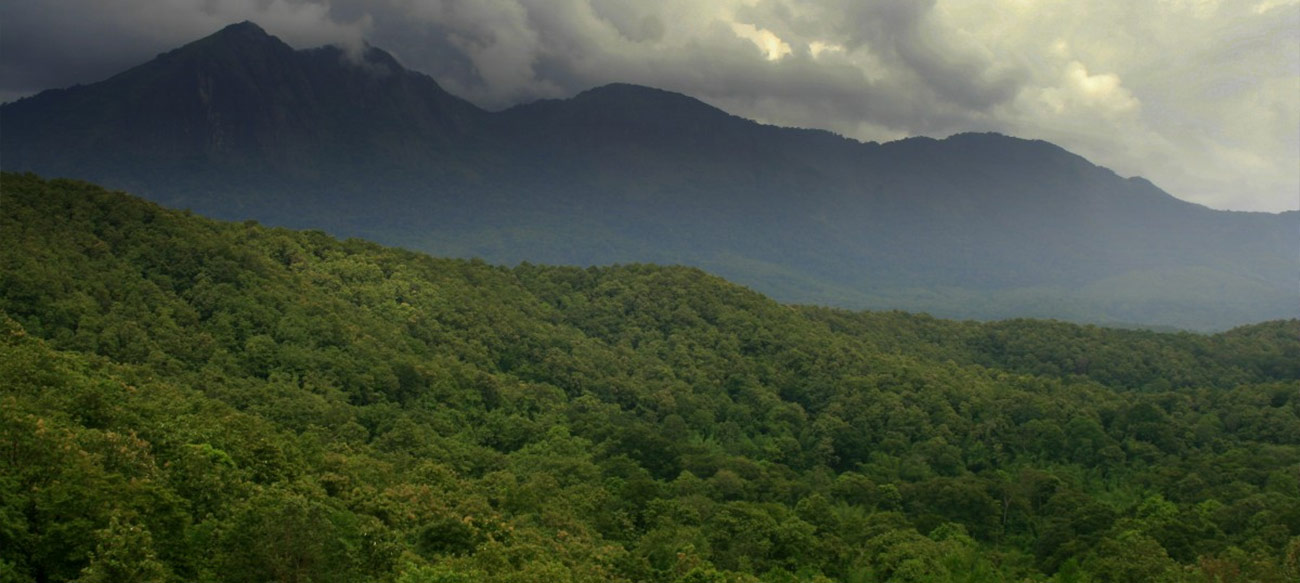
(191, 400)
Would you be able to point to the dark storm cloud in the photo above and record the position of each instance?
(1092, 76)
(498, 53)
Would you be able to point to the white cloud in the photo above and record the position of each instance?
(772, 46)
(1267, 5)
(1200, 96)
(816, 48)
(1096, 95)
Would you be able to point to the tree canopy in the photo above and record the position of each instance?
(189, 400)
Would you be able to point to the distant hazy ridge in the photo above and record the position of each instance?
(240, 125)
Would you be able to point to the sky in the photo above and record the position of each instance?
(1202, 97)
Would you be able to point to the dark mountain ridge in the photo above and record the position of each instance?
(241, 100)
(240, 125)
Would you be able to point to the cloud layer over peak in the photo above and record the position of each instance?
(1200, 96)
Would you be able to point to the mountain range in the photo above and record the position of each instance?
(240, 125)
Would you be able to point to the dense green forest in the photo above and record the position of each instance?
(189, 400)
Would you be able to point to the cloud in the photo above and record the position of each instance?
(1189, 93)
(1200, 96)
(1079, 93)
(772, 46)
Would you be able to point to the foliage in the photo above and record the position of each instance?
(189, 400)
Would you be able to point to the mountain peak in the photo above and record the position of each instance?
(647, 103)
(237, 38)
(628, 89)
(245, 29)
(377, 57)
(629, 92)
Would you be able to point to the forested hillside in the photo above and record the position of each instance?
(189, 400)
